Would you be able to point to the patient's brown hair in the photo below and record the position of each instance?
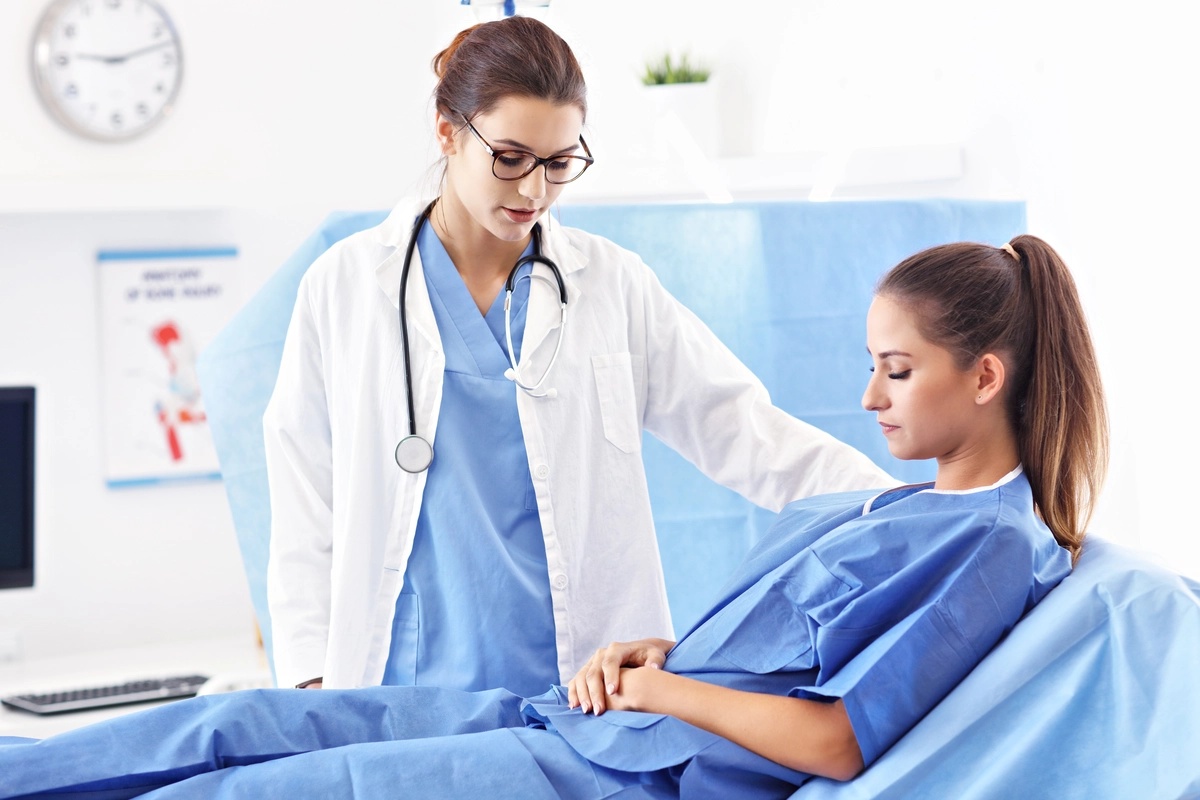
(1022, 305)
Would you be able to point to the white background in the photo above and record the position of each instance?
(288, 112)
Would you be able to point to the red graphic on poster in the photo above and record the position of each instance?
(181, 405)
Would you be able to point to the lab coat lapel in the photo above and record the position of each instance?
(394, 232)
(543, 315)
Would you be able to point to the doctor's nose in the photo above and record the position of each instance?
(533, 185)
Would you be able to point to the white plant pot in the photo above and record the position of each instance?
(688, 110)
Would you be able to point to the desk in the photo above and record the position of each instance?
(230, 656)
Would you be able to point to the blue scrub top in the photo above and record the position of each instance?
(475, 612)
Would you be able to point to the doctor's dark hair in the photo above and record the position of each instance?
(512, 56)
(1023, 306)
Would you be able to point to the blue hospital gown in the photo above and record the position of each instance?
(886, 602)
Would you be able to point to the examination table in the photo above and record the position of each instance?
(1093, 695)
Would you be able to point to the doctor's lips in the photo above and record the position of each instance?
(521, 215)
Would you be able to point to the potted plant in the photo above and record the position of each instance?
(667, 70)
(681, 93)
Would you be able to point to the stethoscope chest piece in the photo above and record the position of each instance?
(414, 454)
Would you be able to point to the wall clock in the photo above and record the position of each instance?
(107, 69)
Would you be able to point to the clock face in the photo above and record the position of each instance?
(107, 69)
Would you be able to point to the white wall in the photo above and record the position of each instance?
(1082, 111)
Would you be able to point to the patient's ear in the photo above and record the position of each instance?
(989, 376)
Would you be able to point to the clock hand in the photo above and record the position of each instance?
(148, 49)
(105, 59)
(123, 58)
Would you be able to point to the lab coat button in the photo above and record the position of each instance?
(542, 471)
(560, 581)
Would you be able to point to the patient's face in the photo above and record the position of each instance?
(923, 402)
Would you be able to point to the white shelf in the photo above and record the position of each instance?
(814, 175)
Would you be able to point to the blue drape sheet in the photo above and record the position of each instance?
(785, 284)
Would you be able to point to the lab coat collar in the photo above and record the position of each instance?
(394, 233)
(543, 311)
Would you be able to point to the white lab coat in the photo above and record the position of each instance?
(344, 515)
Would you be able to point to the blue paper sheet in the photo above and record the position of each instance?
(1093, 695)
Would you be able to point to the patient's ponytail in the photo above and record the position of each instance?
(1020, 302)
(1063, 433)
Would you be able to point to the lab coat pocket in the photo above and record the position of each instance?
(405, 630)
(617, 392)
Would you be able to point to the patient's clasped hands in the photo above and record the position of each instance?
(611, 678)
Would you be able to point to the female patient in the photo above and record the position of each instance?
(851, 618)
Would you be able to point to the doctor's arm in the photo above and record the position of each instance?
(708, 406)
(299, 468)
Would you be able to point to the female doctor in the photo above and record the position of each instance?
(458, 496)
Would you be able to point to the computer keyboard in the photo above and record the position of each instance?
(141, 691)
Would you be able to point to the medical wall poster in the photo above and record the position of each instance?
(158, 310)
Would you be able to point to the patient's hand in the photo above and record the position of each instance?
(601, 675)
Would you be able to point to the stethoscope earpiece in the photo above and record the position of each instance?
(415, 453)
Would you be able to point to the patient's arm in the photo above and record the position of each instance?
(805, 735)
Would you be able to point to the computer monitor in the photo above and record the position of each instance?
(16, 486)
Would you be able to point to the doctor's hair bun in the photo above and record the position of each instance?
(442, 59)
(514, 56)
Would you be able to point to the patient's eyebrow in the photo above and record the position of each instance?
(890, 353)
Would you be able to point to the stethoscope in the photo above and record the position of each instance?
(414, 453)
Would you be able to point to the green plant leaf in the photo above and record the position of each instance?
(666, 70)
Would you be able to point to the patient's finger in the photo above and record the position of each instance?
(586, 688)
(615, 658)
(595, 682)
(577, 693)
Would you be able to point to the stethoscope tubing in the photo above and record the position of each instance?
(414, 453)
(408, 381)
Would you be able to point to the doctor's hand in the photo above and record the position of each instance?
(600, 677)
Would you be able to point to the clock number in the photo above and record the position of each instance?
(168, 59)
(69, 31)
(142, 109)
(158, 31)
(113, 4)
(116, 119)
(71, 90)
(62, 59)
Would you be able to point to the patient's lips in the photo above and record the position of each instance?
(887, 429)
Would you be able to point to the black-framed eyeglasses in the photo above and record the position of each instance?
(512, 165)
